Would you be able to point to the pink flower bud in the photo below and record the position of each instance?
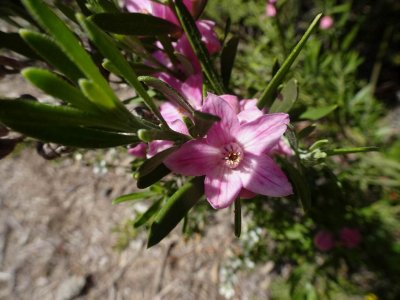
(138, 151)
(323, 240)
(350, 237)
(326, 22)
(270, 10)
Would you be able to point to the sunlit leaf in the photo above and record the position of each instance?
(340, 151)
(137, 196)
(194, 37)
(148, 214)
(108, 48)
(316, 113)
(269, 93)
(55, 86)
(289, 95)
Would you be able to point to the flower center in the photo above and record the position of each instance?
(232, 155)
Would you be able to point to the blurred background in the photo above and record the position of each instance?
(61, 238)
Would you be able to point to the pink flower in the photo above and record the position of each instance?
(155, 9)
(270, 9)
(323, 240)
(232, 155)
(283, 148)
(326, 22)
(138, 151)
(350, 237)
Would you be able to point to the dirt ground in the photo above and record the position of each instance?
(57, 239)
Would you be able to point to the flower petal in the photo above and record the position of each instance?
(222, 132)
(222, 187)
(261, 175)
(194, 158)
(262, 134)
(233, 101)
(157, 146)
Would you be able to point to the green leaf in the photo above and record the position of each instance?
(289, 96)
(134, 24)
(238, 217)
(152, 163)
(269, 93)
(175, 209)
(13, 42)
(108, 48)
(305, 132)
(203, 122)
(153, 169)
(57, 124)
(133, 197)
(71, 46)
(341, 151)
(96, 95)
(55, 86)
(35, 113)
(317, 113)
(148, 214)
(51, 52)
(158, 173)
(227, 60)
(189, 26)
(105, 104)
(167, 91)
(67, 10)
(301, 187)
(151, 135)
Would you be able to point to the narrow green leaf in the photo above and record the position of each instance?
(227, 29)
(57, 124)
(167, 91)
(51, 52)
(305, 132)
(148, 214)
(159, 172)
(289, 96)
(108, 48)
(301, 187)
(71, 46)
(137, 196)
(13, 42)
(152, 163)
(175, 209)
(318, 144)
(318, 112)
(238, 218)
(227, 59)
(55, 86)
(33, 113)
(341, 151)
(134, 24)
(203, 122)
(96, 95)
(194, 37)
(185, 63)
(67, 10)
(151, 135)
(269, 93)
(73, 136)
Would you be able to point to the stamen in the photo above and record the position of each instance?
(232, 155)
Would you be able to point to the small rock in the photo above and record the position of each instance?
(71, 288)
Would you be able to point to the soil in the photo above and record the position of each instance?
(57, 235)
